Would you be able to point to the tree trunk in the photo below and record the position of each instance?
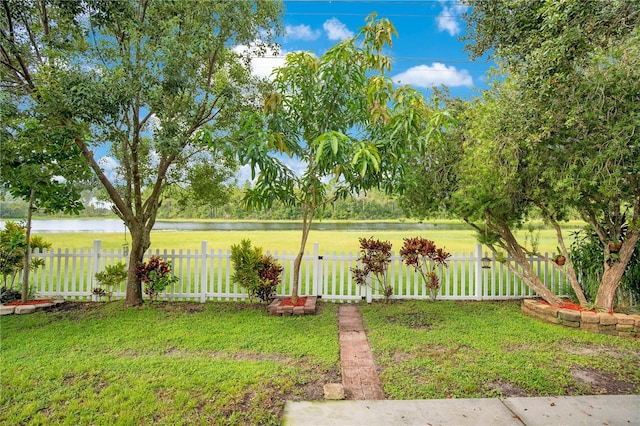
(614, 271)
(527, 274)
(27, 253)
(571, 272)
(533, 281)
(307, 218)
(140, 242)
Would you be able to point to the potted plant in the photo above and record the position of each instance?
(615, 246)
(560, 259)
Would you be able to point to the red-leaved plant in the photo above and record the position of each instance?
(156, 276)
(375, 257)
(426, 259)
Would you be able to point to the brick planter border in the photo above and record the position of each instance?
(595, 322)
(309, 307)
(29, 309)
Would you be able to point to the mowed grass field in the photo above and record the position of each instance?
(454, 241)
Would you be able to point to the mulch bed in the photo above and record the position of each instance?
(29, 302)
(570, 305)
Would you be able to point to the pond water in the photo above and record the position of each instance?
(115, 225)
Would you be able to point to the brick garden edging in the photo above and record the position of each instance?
(309, 307)
(596, 322)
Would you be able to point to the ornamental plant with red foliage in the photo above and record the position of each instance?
(269, 272)
(156, 276)
(425, 258)
(375, 256)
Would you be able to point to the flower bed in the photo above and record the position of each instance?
(596, 322)
(284, 307)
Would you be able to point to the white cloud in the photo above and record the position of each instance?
(262, 66)
(109, 166)
(436, 74)
(449, 19)
(302, 32)
(153, 123)
(296, 165)
(243, 174)
(336, 30)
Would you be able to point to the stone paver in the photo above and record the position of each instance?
(29, 309)
(359, 373)
(25, 309)
(7, 310)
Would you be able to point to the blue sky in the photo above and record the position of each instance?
(426, 52)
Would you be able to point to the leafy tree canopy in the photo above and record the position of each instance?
(557, 131)
(341, 118)
(155, 83)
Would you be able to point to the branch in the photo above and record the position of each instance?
(570, 271)
(120, 205)
(21, 74)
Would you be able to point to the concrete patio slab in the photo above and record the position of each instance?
(459, 412)
(577, 410)
(610, 410)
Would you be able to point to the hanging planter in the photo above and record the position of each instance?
(560, 260)
(614, 247)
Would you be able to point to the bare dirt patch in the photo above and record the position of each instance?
(69, 306)
(507, 389)
(181, 307)
(602, 383)
(598, 351)
(417, 320)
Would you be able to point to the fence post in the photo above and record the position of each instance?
(96, 263)
(479, 274)
(203, 273)
(317, 262)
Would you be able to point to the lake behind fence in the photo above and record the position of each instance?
(205, 274)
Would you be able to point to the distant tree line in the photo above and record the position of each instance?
(370, 206)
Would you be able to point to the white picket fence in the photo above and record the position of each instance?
(205, 274)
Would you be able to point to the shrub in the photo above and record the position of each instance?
(12, 251)
(257, 273)
(425, 258)
(13, 247)
(156, 275)
(375, 257)
(270, 272)
(112, 277)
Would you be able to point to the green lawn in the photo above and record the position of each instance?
(230, 363)
(170, 364)
(453, 349)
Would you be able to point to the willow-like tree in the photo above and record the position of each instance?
(341, 118)
(153, 83)
(558, 134)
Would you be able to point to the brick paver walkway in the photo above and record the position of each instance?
(359, 374)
